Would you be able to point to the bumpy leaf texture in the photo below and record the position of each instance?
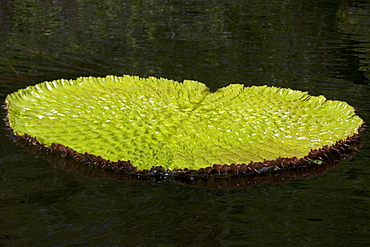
(160, 122)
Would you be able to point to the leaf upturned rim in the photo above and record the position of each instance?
(234, 174)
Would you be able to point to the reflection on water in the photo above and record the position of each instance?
(316, 46)
(216, 43)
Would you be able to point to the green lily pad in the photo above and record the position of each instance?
(160, 122)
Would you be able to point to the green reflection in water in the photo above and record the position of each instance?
(214, 42)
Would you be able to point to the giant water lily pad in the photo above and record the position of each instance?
(143, 123)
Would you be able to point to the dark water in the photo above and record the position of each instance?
(322, 47)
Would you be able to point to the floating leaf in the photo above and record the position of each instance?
(163, 123)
